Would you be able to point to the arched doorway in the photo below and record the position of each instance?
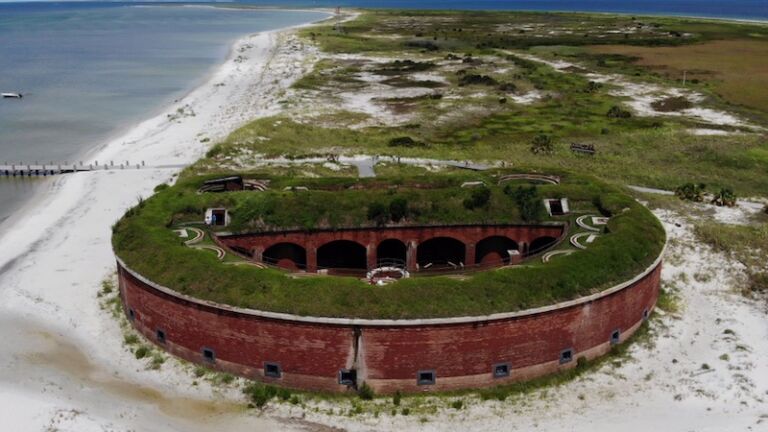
(342, 254)
(494, 250)
(286, 255)
(441, 252)
(391, 252)
(541, 244)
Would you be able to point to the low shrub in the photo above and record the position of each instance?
(365, 392)
(691, 192)
(260, 394)
(475, 79)
(141, 352)
(542, 144)
(618, 113)
(405, 141)
(724, 198)
(508, 87)
(672, 104)
(396, 398)
(478, 199)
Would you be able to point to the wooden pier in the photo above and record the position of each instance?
(37, 169)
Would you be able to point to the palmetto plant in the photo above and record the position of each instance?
(691, 192)
(725, 197)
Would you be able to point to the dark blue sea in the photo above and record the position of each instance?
(734, 9)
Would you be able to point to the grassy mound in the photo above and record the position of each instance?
(144, 239)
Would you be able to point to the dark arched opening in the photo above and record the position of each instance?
(494, 250)
(342, 254)
(441, 252)
(541, 244)
(286, 255)
(391, 252)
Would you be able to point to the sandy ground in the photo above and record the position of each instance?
(64, 368)
(640, 97)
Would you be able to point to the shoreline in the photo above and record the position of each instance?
(58, 251)
(116, 147)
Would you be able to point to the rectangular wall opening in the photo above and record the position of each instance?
(425, 377)
(209, 355)
(615, 337)
(272, 370)
(566, 355)
(348, 377)
(501, 370)
(160, 335)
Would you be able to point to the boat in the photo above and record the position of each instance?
(12, 95)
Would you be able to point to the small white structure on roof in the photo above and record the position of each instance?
(557, 207)
(470, 184)
(217, 217)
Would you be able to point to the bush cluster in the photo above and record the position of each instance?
(691, 192)
(396, 211)
(405, 141)
(260, 394)
(528, 201)
(542, 144)
(479, 198)
(618, 112)
(475, 79)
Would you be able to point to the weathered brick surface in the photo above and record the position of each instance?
(311, 354)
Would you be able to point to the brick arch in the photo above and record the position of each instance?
(441, 251)
(342, 254)
(494, 250)
(287, 255)
(392, 250)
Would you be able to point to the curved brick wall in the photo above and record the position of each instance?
(388, 354)
(412, 237)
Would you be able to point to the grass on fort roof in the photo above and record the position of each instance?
(143, 238)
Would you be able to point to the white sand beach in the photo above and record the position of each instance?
(63, 366)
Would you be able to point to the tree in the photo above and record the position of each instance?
(378, 213)
(528, 202)
(542, 144)
(398, 209)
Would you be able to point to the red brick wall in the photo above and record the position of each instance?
(311, 354)
(469, 234)
(370, 238)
